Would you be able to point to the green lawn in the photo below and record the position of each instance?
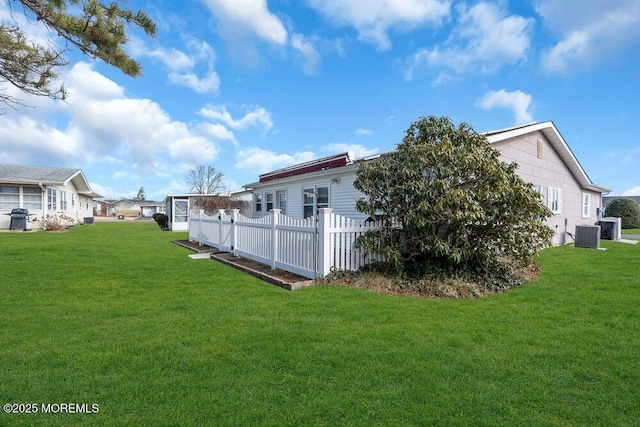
(117, 315)
(631, 231)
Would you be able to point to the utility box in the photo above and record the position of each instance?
(587, 236)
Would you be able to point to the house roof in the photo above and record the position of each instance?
(548, 129)
(551, 133)
(45, 175)
(330, 162)
(239, 192)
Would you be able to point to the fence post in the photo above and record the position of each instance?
(275, 217)
(234, 219)
(324, 242)
(220, 229)
(200, 227)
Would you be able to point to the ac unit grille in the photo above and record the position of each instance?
(587, 236)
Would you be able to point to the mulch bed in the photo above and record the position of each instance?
(277, 277)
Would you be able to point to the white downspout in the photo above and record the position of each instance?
(44, 205)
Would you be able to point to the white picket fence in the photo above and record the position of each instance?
(309, 247)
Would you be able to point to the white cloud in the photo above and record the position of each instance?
(173, 59)
(101, 124)
(485, 39)
(208, 84)
(359, 151)
(217, 132)
(374, 18)
(243, 17)
(589, 34)
(363, 132)
(258, 160)
(258, 117)
(120, 174)
(306, 53)
(634, 191)
(182, 66)
(517, 101)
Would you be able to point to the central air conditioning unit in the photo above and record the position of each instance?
(587, 236)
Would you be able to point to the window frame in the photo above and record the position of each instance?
(586, 205)
(268, 201)
(28, 199)
(257, 198)
(554, 200)
(281, 202)
(10, 200)
(52, 199)
(63, 201)
(312, 201)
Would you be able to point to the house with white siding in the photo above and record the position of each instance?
(44, 191)
(543, 156)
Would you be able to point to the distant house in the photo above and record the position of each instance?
(543, 156)
(44, 191)
(133, 207)
(178, 206)
(148, 208)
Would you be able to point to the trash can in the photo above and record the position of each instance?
(606, 229)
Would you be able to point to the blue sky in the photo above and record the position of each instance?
(249, 86)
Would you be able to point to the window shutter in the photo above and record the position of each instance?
(559, 200)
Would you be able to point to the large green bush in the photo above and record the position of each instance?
(448, 202)
(627, 209)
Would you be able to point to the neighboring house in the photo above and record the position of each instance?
(148, 208)
(543, 156)
(105, 207)
(128, 207)
(178, 206)
(608, 199)
(44, 191)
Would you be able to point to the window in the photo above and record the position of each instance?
(32, 198)
(73, 200)
(308, 201)
(52, 196)
(9, 196)
(586, 205)
(269, 200)
(63, 200)
(180, 210)
(555, 200)
(281, 201)
(313, 199)
(258, 199)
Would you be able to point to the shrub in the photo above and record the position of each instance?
(58, 222)
(627, 209)
(161, 219)
(447, 203)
